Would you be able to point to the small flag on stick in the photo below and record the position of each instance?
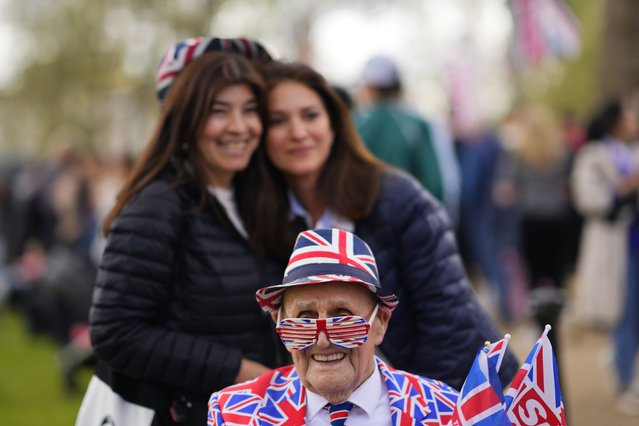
(481, 401)
(534, 396)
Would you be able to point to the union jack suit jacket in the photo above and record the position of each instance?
(278, 398)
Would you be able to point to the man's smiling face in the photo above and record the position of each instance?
(324, 368)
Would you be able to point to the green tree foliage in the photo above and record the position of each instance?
(607, 66)
(89, 74)
(571, 85)
(577, 87)
(619, 60)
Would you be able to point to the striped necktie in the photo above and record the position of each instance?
(339, 413)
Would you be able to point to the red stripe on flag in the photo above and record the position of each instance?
(479, 402)
(497, 347)
(540, 368)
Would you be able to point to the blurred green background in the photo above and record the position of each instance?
(80, 73)
(31, 383)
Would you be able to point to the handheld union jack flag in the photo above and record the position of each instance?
(534, 396)
(481, 401)
(544, 28)
(496, 352)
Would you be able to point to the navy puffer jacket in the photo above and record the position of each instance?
(438, 326)
(174, 308)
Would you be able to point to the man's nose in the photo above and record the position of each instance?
(322, 340)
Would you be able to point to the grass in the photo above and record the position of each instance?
(31, 385)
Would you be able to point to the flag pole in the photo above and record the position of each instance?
(547, 328)
(506, 338)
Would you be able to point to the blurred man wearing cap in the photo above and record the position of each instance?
(397, 135)
(331, 312)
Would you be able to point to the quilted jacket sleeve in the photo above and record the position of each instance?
(447, 323)
(134, 284)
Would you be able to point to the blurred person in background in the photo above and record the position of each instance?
(533, 175)
(399, 136)
(49, 273)
(105, 178)
(488, 232)
(315, 172)
(605, 186)
(174, 315)
(70, 267)
(8, 171)
(111, 179)
(573, 131)
(53, 219)
(32, 207)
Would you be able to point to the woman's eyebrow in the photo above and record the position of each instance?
(310, 108)
(220, 101)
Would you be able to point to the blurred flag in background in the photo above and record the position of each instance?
(544, 29)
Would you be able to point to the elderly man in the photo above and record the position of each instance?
(331, 312)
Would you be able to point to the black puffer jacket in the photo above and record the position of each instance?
(438, 326)
(174, 307)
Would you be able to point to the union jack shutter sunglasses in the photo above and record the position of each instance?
(347, 332)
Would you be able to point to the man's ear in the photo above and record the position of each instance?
(383, 316)
(274, 315)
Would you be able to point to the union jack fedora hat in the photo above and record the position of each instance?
(327, 255)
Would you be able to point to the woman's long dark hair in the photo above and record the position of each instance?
(184, 114)
(349, 183)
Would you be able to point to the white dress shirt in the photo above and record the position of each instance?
(371, 406)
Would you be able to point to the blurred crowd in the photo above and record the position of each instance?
(506, 188)
(520, 194)
(50, 245)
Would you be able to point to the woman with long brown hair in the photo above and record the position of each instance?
(314, 172)
(174, 316)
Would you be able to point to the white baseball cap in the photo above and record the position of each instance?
(380, 71)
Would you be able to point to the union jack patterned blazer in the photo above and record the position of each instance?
(278, 398)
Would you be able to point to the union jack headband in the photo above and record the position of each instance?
(327, 255)
(180, 55)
